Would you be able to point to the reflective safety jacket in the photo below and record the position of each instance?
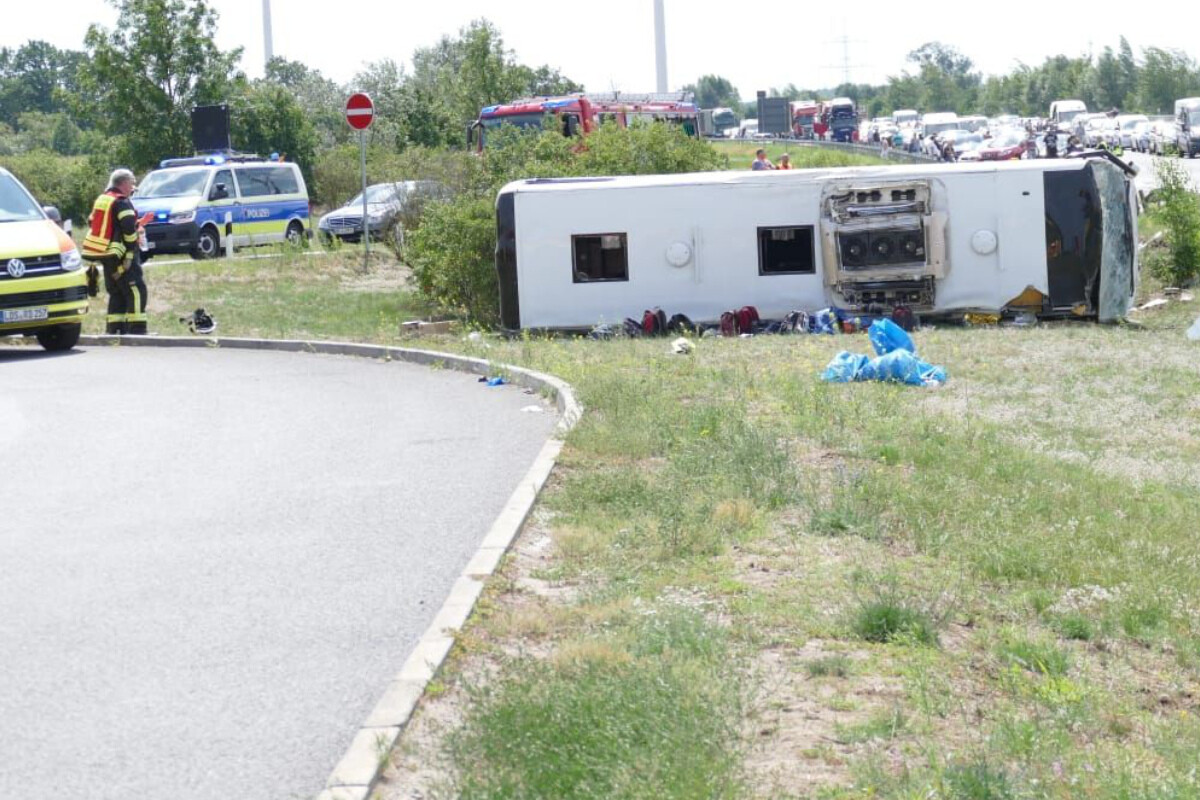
(112, 230)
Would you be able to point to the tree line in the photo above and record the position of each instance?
(940, 78)
(125, 98)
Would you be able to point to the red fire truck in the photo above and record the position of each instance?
(581, 114)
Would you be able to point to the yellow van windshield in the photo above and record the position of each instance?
(15, 203)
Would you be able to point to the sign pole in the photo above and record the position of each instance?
(360, 113)
(366, 227)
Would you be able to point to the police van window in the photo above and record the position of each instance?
(225, 177)
(265, 181)
(786, 251)
(284, 180)
(600, 257)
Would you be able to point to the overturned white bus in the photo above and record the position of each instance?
(1051, 236)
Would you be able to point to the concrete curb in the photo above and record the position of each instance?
(359, 769)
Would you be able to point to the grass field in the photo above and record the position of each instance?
(743, 582)
(984, 591)
(279, 293)
(741, 153)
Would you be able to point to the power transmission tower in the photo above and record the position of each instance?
(846, 66)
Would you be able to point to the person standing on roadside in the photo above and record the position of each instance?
(1050, 140)
(760, 161)
(112, 243)
(785, 162)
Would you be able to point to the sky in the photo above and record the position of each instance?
(610, 44)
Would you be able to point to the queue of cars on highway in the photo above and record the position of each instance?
(1006, 136)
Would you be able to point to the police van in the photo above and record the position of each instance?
(43, 287)
(198, 202)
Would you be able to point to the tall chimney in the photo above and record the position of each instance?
(660, 45)
(268, 44)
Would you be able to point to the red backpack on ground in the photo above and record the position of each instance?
(654, 322)
(747, 318)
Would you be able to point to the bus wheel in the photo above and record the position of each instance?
(208, 244)
(59, 337)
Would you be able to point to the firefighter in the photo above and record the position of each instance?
(112, 242)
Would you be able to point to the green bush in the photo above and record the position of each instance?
(71, 183)
(337, 172)
(1179, 210)
(452, 251)
(452, 257)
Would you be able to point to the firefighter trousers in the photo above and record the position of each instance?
(126, 298)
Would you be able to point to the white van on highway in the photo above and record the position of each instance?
(1063, 112)
(1187, 126)
(939, 122)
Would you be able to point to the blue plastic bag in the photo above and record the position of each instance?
(887, 337)
(827, 320)
(844, 368)
(901, 366)
(898, 366)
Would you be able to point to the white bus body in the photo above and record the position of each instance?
(938, 238)
(905, 116)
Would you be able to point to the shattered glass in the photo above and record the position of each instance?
(1119, 255)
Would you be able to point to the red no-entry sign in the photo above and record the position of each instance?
(360, 111)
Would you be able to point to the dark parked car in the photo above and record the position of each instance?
(387, 204)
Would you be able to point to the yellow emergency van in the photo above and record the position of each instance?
(43, 286)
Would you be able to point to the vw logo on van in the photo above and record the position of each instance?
(16, 268)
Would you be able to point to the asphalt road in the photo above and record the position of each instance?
(212, 562)
(1146, 179)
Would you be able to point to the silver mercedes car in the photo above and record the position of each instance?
(387, 204)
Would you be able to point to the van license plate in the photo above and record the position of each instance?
(24, 314)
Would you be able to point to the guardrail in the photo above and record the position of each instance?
(898, 154)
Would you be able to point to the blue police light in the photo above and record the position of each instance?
(161, 215)
(214, 160)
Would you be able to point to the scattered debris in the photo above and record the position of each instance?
(199, 321)
(896, 360)
(474, 336)
(682, 346)
(1193, 333)
(1155, 303)
(601, 331)
(1152, 241)
(496, 381)
(418, 327)
(533, 409)
(981, 319)
(1171, 291)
